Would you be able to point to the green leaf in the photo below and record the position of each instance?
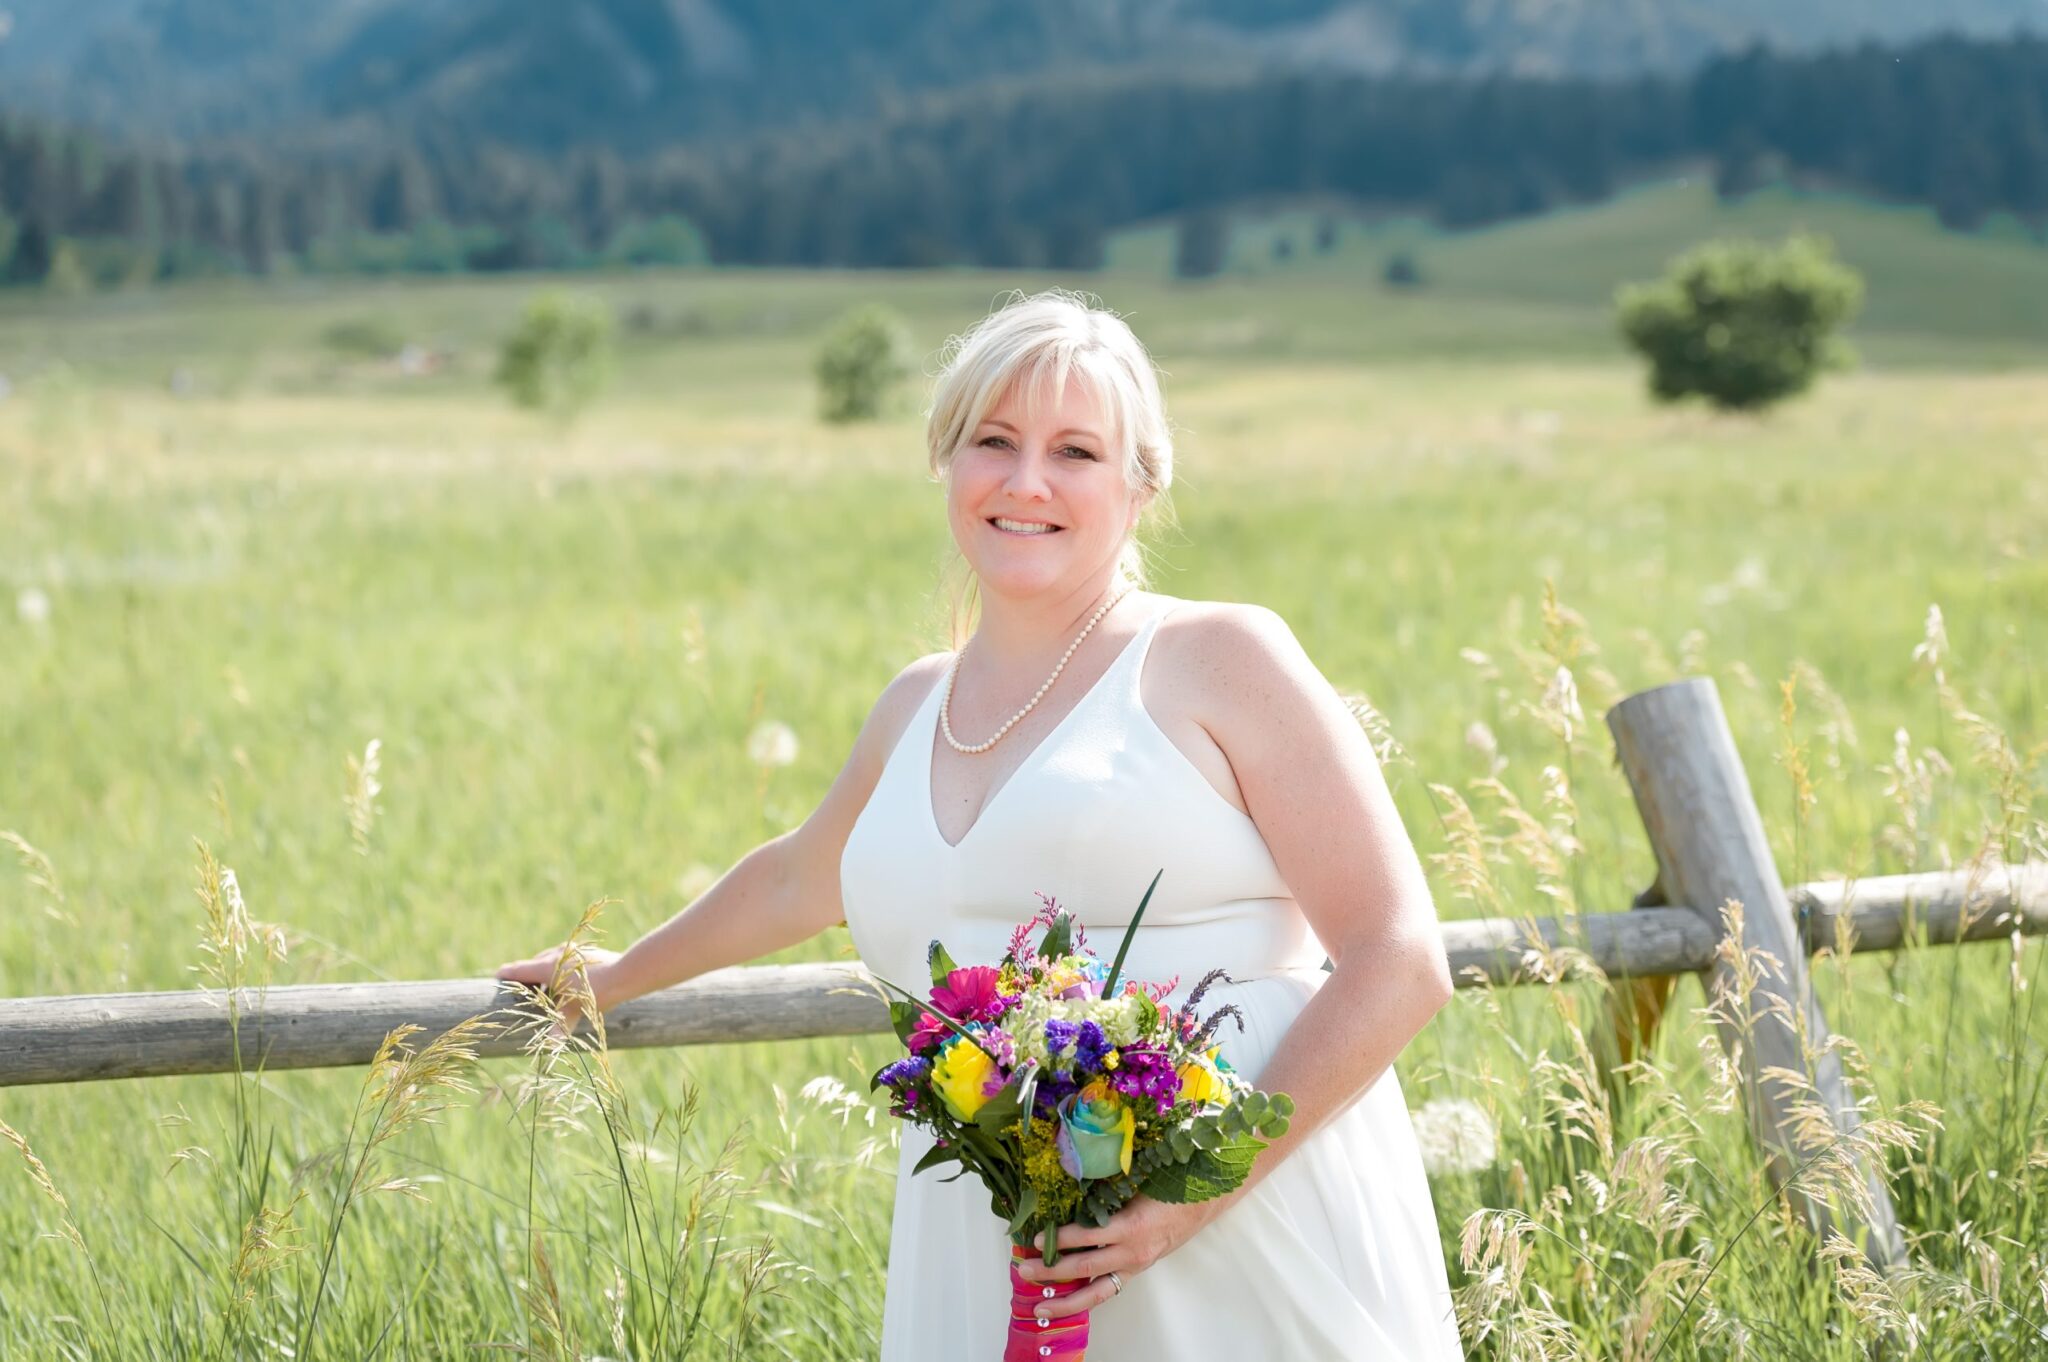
(1210, 1173)
(1027, 1206)
(1001, 1110)
(1059, 937)
(957, 1027)
(903, 1018)
(1117, 968)
(935, 1156)
(1027, 1089)
(941, 963)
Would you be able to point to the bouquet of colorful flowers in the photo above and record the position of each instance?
(1069, 1090)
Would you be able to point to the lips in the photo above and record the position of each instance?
(1024, 534)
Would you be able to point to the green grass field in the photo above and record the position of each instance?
(260, 554)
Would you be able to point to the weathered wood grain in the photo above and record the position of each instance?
(306, 1026)
(1694, 797)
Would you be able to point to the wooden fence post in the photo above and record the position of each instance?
(1676, 748)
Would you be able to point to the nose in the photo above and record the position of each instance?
(1027, 480)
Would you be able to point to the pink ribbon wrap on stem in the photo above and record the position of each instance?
(1060, 1340)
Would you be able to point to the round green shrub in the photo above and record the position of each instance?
(559, 357)
(863, 361)
(1742, 323)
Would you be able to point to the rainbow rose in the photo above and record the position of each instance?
(1096, 1133)
(959, 1075)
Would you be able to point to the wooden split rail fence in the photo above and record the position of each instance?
(1674, 745)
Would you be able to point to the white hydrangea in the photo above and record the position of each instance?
(1119, 1020)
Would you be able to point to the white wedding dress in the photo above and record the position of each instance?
(1334, 1254)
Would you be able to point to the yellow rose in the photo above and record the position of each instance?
(1200, 1083)
(958, 1075)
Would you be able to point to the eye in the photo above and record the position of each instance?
(994, 440)
(1082, 453)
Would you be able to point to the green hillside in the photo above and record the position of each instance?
(1989, 288)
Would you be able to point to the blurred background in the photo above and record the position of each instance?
(461, 460)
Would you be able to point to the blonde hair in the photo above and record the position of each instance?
(1049, 336)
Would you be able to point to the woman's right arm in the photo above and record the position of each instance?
(784, 891)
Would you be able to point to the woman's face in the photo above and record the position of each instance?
(1016, 474)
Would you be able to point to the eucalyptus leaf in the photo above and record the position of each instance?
(941, 963)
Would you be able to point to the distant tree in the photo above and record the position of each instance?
(1744, 165)
(35, 251)
(402, 195)
(1741, 323)
(67, 274)
(364, 337)
(1326, 235)
(1401, 271)
(1073, 241)
(1200, 244)
(559, 357)
(434, 247)
(668, 240)
(861, 364)
(1283, 248)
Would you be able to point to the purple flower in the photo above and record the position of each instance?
(1060, 1034)
(1145, 1071)
(1052, 1087)
(1090, 1045)
(905, 1071)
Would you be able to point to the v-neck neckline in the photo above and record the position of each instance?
(1043, 745)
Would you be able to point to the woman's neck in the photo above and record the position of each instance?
(1020, 635)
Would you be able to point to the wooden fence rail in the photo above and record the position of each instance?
(309, 1026)
(1674, 745)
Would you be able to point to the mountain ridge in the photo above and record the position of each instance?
(642, 74)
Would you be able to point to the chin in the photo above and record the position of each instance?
(1016, 582)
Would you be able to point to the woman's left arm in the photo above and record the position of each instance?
(1314, 787)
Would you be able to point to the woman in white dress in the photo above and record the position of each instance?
(1087, 735)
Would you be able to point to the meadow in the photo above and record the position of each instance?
(236, 554)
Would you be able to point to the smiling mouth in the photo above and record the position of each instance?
(1039, 529)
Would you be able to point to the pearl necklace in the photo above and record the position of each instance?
(946, 700)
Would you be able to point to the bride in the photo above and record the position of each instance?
(1087, 734)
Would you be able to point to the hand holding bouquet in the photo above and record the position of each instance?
(1069, 1090)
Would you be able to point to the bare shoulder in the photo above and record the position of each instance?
(900, 698)
(1228, 683)
(1223, 660)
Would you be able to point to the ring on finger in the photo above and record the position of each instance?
(1118, 1283)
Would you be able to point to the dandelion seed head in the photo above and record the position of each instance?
(772, 743)
(32, 606)
(1455, 1135)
